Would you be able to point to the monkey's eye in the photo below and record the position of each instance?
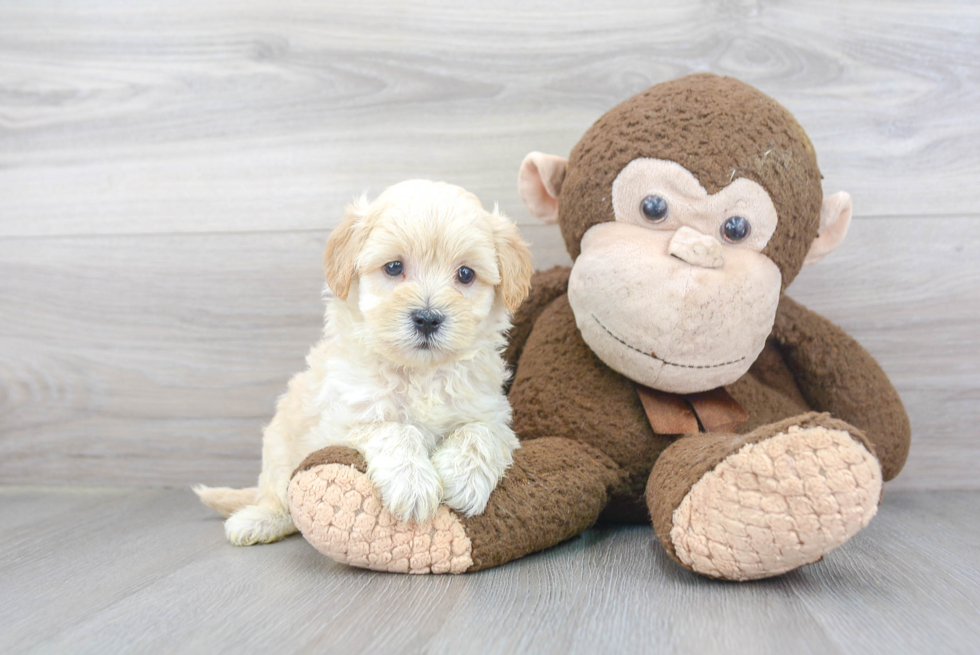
(393, 269)
(654, 208)
(735, 229)
(465, 274)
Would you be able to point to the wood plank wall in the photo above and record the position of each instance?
(169, 172)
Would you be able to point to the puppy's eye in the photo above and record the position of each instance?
(654, 208)
(465, 275)
(735, 229)
(393, 269)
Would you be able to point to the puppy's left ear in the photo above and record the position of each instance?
(343, 245)
(513, 260)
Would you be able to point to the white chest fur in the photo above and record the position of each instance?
(349, 391)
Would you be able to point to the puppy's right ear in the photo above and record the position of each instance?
(343, 245)
(539, 184)
(514, 261)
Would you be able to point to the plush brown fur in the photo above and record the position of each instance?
(548, 285)
(562, 389)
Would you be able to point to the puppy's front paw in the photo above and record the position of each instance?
(466, 485)
(258, 525)
(410, 492)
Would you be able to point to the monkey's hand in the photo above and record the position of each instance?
(836, 374)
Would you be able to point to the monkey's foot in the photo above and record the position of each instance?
(338, 510)
(555, 489)
(758, 505)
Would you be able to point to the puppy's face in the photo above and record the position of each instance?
(431, 272)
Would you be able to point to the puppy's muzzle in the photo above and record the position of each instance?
(427, 322)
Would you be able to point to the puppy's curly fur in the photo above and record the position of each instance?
(409, 370)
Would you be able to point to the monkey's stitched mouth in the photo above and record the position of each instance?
(659, 359)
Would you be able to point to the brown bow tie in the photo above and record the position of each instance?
(707, 411)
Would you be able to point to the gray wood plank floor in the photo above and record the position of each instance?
(191, 116)
(114, 570)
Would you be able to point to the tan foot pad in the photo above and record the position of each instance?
(338, 510)
(777, 504)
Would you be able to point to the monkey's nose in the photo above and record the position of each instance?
(696, 249)
(427, 321)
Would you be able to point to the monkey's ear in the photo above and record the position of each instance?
(835, 218)
(514, 261)
(343, 246)
(539, 184)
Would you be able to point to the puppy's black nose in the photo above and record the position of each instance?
(427, 321)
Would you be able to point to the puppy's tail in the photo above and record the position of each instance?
(226, 500)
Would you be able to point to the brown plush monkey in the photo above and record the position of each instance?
(665, 376)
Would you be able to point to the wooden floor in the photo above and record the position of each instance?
(109, 571)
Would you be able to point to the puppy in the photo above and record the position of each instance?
(409, 371)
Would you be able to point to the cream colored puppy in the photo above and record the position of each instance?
(409, 371)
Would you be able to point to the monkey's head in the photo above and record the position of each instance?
(687, 209)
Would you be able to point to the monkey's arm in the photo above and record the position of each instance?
(545, 287)
(836, 374)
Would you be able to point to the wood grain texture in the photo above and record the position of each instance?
(170, 171)
(226, 116)
(98, 571)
